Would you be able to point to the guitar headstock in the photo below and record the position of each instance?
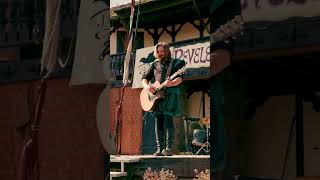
(231, 29)
(182, 70)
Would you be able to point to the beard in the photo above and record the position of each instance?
(162, 59)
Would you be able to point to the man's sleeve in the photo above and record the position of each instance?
(149, 73)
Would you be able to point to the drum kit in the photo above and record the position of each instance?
(199, 132)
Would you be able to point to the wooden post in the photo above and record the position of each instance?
(299, 136)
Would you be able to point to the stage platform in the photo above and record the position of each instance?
(182, 165)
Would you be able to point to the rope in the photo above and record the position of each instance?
(126, 80)
(29, 165)
(119, 121)
(64, 64)
(132, 38)
(52, 36)
(126, 62)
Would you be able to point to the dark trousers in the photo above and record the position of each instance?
(164, 130)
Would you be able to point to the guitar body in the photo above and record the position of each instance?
(148, 100)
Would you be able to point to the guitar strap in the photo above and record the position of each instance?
(159, 70)
(169, 69)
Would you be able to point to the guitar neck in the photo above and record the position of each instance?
(162, 84)
(160, 87)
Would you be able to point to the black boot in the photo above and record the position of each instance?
(159, 141)
(167, 151)
(159, 148)
(169, 142)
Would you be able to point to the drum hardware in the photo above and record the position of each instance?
(201, 137)
(187, 124)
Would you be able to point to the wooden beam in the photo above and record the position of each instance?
(173, 33)
(299, 136)
(151, 7)
(169, 4)
(183, 11)
(155, 34)
(200, 28)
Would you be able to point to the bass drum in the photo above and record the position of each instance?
(199, 137)
(103, 122)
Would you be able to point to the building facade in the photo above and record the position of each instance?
(271, 81)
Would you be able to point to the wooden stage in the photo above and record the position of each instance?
(183, 166)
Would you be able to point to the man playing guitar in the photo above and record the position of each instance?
(168, 105)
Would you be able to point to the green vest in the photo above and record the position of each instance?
(170, 104)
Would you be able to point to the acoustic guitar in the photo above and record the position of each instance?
(148, 99)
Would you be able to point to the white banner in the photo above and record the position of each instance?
(143, 58)
(279, 10)
(92, 42)
(195, 56)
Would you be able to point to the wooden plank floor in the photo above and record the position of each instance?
(159, 157)
(183, 166)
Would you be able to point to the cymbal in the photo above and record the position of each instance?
(205, 121)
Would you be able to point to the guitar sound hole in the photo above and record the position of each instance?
(150, 96)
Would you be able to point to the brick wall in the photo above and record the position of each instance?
(132, 119)
(69, 142)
